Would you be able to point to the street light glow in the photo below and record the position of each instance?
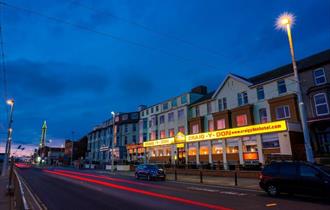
(10, 102)
(113, 113)
(285, 20)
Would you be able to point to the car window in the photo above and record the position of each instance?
(288, 170)
(307, 171)
(271, 169)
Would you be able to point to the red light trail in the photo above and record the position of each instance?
(143, 192)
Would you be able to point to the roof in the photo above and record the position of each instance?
(302, 65)
(204, 98)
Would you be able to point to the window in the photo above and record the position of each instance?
(171, 116)
(134, 138)
(197, 111)
(221, 124)
(195, 128)
(153, 135)
(126, 128)
(220, 107)
(210, 125)
(181, 114)
(181, 129)
(147, 111)
(209, 107)
(145, 123)
(242, 98)
(270, 140)
(287, 169)
(183, 99)
(142, 113)
(134, 127)
(241, 120)
(174, 102)
(124, 117)
(125, 141)
(161, 119)
(165, 106)
(171, 132)
(321, 104)
(150, 123)
(162, 134)
(152, 110)
(281, 87)
(260, 93)
(144, 136)
(224, 103)
(307, 171)
(319, 76)
(282, 112)
(157, 108)
(263, 115)
(135, 116)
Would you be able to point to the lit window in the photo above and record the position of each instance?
(281, 87)
(263, 115)
(242, 98)
(153, 135)
(181, 129)
(192, 151)
(282, 112)
(260, 93)
(195, 128)
(321, 104)
(162, 134)
(203, 150)
(171, 116)
(221, 124)
(232, 149)
(241, 120)
(181, 114)
(319, 76)
(171, 132)
(217, 149)
(211, 125)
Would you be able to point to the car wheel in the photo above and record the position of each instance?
(137, 176)
(272, 190)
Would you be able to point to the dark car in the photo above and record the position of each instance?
(149, 171)
(295, 178)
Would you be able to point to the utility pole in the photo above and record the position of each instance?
(114, 133)
(10, 102)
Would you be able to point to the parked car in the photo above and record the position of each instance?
(149, 171)
(295, 178)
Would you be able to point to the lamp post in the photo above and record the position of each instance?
(10, 102)
(285, 22)
(113, 141)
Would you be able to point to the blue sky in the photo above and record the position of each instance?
(74, 78)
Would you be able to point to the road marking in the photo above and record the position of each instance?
(216, 191)
(271, 204)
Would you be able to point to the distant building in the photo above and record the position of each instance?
(75, 151)
(55, 156)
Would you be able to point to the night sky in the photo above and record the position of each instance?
(127, 53)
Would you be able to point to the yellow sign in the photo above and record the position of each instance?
(241, 131)
(158, 142)
(180, 145)
(180, 137)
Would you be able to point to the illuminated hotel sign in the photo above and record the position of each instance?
(158, 142)
(223, 134)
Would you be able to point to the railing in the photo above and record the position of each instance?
(20, 202)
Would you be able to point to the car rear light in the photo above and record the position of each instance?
(260, 176)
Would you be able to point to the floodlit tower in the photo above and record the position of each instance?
(43, 135)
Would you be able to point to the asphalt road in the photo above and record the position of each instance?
(79, 190)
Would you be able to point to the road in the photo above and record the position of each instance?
(62, 189)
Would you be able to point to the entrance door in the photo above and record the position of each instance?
(181, 156)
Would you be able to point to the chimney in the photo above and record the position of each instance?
(201, 89)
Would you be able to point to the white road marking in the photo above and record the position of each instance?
(216, 191)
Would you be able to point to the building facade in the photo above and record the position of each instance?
(100, 140)
(314, 74)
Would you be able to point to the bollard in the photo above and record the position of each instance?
(175, 175)
(235, 178)
(201, 176)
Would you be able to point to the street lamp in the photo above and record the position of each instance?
(10, 102)
(113, 141)
(285, 22)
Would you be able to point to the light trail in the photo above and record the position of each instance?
(143, 192)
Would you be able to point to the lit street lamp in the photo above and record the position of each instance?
(285, 22)
(10, 102)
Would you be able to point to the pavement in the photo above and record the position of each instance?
(65, 189)
(5, 200)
